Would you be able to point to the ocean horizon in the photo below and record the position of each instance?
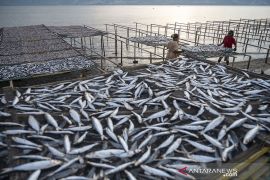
(98, 15)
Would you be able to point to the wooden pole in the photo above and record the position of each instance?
(135, 61)
(115, 44)
(249, 59)
(84, 41)
(81, 43)
(102, 45)
(267, 55)
(121, 53)
(233, 61)
(165, 33)
(204, 33)
(90, 44)
(127, 41)
(136, 29)
(11, 84)
(163, 53)
(107, 34)
(246, 45)
(195, 38)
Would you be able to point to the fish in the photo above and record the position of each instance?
(15, 101)
(200, 146)
(5, 114)
(167, 142)
(98, 127)
(104, 153)
(135, 125)
(67, 144)
(64, 166)
(173, 147)
(123, 143)
(51, 121)
(250, 135)
(101, 165)
(144, 157)
(226, 151)
(54, 151)
(34, 123)
(75, 116)
(24, 141)
(237, 123)
(80, 139)
(34, 175)
(203, 159)
(33, 166)
(18, 131)
(213, 141)
(214, 123)
(82, 149)
(119, 168)
(156, 172)
(222, 132)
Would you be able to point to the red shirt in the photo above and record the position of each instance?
(229, 41)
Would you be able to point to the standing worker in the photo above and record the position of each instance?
(173, 47)
(228, 41)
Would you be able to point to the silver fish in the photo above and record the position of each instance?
(201, 146)
(213, 141)
(250, 135)
(166, 143)
(203, 159)
(75, 116)
(34, 123)
(67, 144)
(144, 157)
(173, 147)
(98, 127)
(118, 168)
(82, 149)
(156, 172)
(34, 175)
(46, 164)
(51, 120)
(214, 123)
(226, 151)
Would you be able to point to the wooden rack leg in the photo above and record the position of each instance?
(11, 84)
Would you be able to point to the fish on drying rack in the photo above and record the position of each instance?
(207, 51)
(151, 40)
(141, 125)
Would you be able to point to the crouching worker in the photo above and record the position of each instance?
(227, 42)
(172, 46)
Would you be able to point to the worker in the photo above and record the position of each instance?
(172, 46)
(228, 41)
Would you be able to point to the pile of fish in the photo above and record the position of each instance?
(18, 71)
(145, 124)
(207, 51)
(158, 40)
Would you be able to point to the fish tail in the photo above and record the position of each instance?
(6, 170)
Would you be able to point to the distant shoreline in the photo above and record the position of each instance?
(254, 5)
